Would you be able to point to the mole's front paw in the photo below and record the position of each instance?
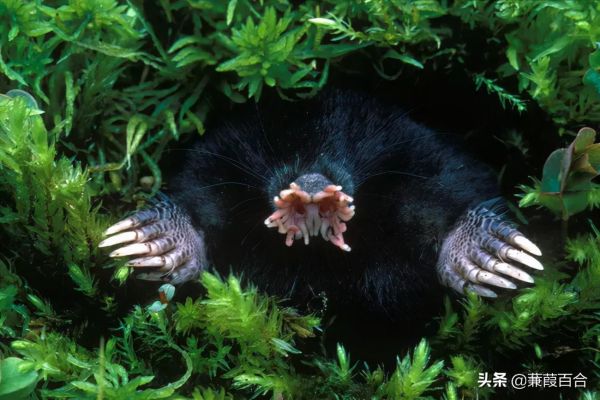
(483, 249)
(166, 245)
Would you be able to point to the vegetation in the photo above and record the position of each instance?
(95, 90)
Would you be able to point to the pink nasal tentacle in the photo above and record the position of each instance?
(300, 215)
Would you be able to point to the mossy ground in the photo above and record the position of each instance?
(113, 84)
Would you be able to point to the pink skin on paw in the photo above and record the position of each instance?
(300, 215)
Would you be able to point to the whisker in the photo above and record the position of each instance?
(262, 128)
(374, 158)
(391, 172)
(244, 168)
(379, 195)
(248, 235)
(260, 156)
(245, 201)
(228, 183)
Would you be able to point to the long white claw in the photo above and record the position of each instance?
(524, 258)
(491, 279)
(513, 272)
(120, 226)
(527, 245)
(157, 261)
(482, 291)
(137, 248)
(124, 237)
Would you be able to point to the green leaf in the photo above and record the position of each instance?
(405, 58)
(551, 178)
(167, 290)
(412, 376)
(327, 22)
(511, 54)
(157, 306)
(284, 347)
(582, 164)
(592, 79)
(594, 59)
(85, 386)
(15, 382)
(7, 296)
(552, 201)
(83, 279)
(553, 47)
(136, 129)
(585, 137)
(29, 99)
(575, 202)
(593, 152)
(14, 31)
(332, 50)
(185, 41)
(230, 11)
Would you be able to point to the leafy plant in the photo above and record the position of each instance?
(15, 382)
(412, 376)
(95, 92)
(503, 95)
(567, 179)
(270, 53)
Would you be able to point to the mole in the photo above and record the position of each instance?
(341, 196)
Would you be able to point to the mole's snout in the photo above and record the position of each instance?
(313, 183)
(312, 206)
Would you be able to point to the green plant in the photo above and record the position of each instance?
(566, 186)
(269, 52)
(16, 382)
(114, 83)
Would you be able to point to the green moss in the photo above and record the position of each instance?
(116, 81)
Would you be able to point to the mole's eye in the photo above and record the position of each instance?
(312, 206)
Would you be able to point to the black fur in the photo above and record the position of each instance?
(409, 184)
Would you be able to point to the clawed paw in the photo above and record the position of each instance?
(163, 241)
(485, 251)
